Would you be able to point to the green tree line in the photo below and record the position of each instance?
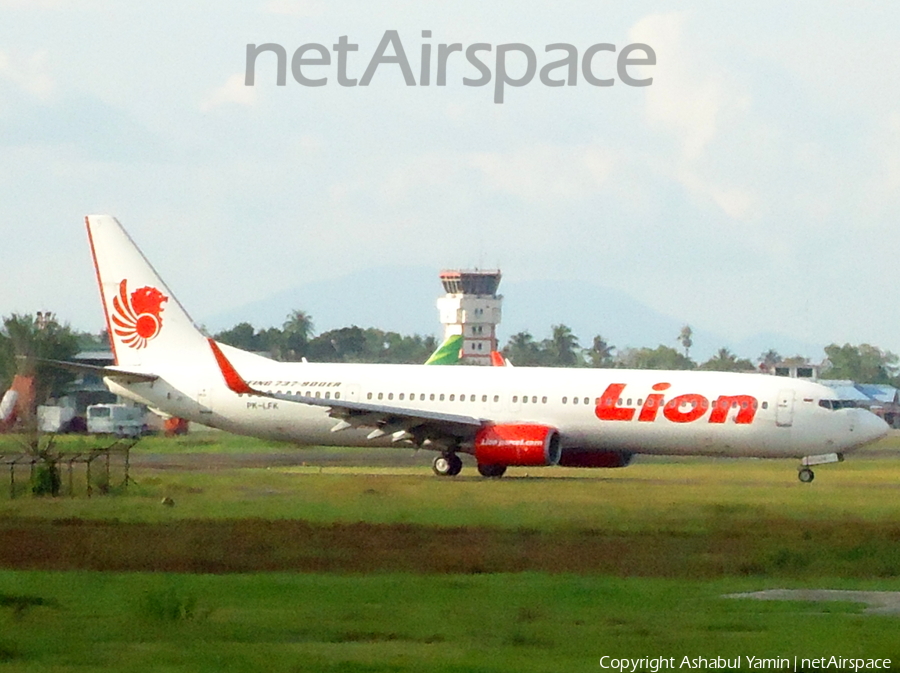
(42, 336)
(863, 364)
(25, 337)
(297, 340)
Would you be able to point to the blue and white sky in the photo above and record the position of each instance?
(753, 187)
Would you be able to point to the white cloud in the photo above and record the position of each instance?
(31, 73)
(735, 202)
(762, 151)
(54, 4)
(535, 174)
(34, 4)
(546, 172)
(233, 91)
(881, 193)
(680, 99)
(299, 8)
(690, 100)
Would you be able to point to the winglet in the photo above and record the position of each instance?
(497, 359)
(232, 379)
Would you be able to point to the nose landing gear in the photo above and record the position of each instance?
(806, 475)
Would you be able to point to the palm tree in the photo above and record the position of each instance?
(600, 354)
(726, 361)
(769, 359)
(685, 338)
(296, 334)
(521, 349)
(562, 347)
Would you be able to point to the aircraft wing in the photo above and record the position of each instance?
(416, 425)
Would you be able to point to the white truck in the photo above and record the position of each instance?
(121, 420)
(53, 418)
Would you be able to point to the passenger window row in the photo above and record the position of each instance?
(533, 399)
(318, 394)
(525, 399)
(440, 397)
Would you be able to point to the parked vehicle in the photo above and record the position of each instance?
(55, 419)
(121, 420)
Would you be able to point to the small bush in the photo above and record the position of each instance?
(169, 606)
(8, 652)
(21, 604)
(46, 480)
(789, 560)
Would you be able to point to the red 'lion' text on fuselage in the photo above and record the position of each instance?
(681, 409)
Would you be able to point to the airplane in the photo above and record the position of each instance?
(503, 416)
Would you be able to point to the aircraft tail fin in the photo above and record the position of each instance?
(147, 326)
(448, 352)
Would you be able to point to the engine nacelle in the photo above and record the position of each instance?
(586, 458)
(517, 445)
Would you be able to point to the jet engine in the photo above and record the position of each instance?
(517, 445)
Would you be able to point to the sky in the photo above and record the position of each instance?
(753, 187)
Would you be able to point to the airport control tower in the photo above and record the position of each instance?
(471, 308)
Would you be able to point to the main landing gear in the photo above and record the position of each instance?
(493, 471)
(450, 465)
(806, 475)
(447, 465)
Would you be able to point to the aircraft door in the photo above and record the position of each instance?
(784, 409)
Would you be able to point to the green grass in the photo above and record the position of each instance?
(203, 441)
(519, 622)
(659, 525)
(682, 494)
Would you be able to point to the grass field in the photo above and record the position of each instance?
(403, 622)
(335, 565)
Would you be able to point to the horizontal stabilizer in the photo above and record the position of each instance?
(117, 373)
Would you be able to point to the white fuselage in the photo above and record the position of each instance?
(636, 411)
(505, 416)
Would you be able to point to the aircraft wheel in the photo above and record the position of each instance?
(455, 464)
(446, 465)
(806, 475)
(493, 471)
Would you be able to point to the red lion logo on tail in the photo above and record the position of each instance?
(137, 318)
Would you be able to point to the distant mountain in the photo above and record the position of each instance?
(402, 299)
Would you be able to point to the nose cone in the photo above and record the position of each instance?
(869, 427)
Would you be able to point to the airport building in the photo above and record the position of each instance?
(471, 308)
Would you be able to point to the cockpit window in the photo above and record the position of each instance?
(837, 404)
